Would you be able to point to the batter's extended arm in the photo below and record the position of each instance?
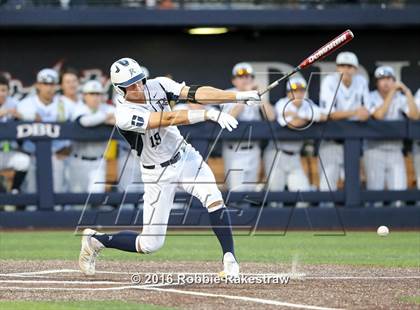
(211, 95)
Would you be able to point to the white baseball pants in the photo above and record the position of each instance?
(190, 174)
(241, 167)
(284, 169)
(331, 154)
(385, 168)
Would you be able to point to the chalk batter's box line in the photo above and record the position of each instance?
(158, 287)
(292, 275)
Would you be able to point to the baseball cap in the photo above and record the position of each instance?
(47, 76)
(242, 68)
(295, 83)
(384, 71)
(92, 86)
(347, 58)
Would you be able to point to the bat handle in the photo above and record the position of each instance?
(276, 82)
(269, 87)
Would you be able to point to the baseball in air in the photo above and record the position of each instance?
(383, 231)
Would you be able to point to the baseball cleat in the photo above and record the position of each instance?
(89, 252)
(230, 266)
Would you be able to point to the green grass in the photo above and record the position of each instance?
(411, 299)
(399, 249)
(77, 305)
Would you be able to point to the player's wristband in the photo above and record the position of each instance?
(196, 116)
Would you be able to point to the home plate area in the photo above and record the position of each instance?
(303, 287)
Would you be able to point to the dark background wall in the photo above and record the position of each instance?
(197, 59)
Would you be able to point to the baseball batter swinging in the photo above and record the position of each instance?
(144, 118)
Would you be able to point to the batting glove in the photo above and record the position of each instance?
(225, 120)
(250, 97)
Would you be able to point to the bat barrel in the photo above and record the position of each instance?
(324, 51)
(328, 48)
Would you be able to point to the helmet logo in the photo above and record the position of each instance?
(118, 69)
(132, 71)
(123, 62)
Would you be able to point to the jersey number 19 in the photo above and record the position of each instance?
(155, 139)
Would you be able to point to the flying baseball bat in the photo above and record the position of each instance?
(320, 54)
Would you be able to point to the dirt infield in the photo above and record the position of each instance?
(310, 286)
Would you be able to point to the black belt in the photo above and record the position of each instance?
(172, 161)
(250, 147)
(288, 152)
(87, 157)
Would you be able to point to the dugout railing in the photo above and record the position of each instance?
(203, 137)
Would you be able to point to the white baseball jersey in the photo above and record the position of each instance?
(89, 118)
(397, 109)
(249, 112)
(69, 102)
(335, 96)
(307, 110)
(154, 146)
(8, 105)
(345, 98)
(56, 111)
